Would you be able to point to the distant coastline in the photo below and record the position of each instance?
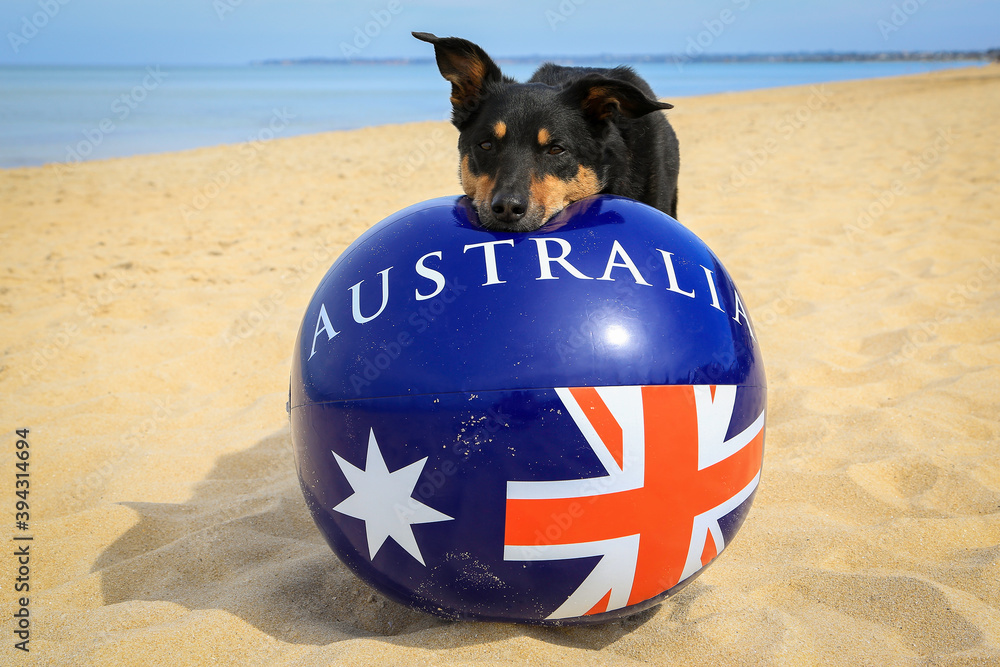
(812, 57)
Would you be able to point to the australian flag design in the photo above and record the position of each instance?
(542, 505)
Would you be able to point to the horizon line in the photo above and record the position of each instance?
(989, 55)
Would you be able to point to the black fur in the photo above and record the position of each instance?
(606, 136)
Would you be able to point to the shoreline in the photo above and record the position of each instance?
(121, 127)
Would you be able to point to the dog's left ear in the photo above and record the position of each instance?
(467, 67)
(600, 98)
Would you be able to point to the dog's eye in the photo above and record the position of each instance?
(556, 150)
(486, 145)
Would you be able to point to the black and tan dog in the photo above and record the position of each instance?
(527, 150)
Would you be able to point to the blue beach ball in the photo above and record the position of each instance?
(560, 426)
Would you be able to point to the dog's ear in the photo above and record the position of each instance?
(601, 97)
(466, 66)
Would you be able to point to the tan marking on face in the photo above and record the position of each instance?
(544, 137)
(479, 187)
(500, 129)
(554, 194)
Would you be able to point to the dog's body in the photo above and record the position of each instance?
(529, 149)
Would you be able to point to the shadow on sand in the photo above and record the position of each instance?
(246, 544)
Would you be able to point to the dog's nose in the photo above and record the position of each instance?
(508, 207)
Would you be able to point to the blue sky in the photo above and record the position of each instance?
(182, 32)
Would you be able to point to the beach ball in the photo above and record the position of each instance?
(561, 426)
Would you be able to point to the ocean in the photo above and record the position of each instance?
(70, 114)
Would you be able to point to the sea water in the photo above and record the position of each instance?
(71, 114)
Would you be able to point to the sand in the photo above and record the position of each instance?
(150, 305)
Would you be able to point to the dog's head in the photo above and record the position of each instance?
(527, 150)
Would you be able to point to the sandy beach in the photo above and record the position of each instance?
(150, 307)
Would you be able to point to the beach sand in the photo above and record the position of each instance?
(150, 306)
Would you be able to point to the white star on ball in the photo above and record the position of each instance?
(383, 500)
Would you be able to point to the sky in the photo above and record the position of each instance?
(233, 32)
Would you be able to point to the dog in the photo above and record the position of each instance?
(527, 150)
